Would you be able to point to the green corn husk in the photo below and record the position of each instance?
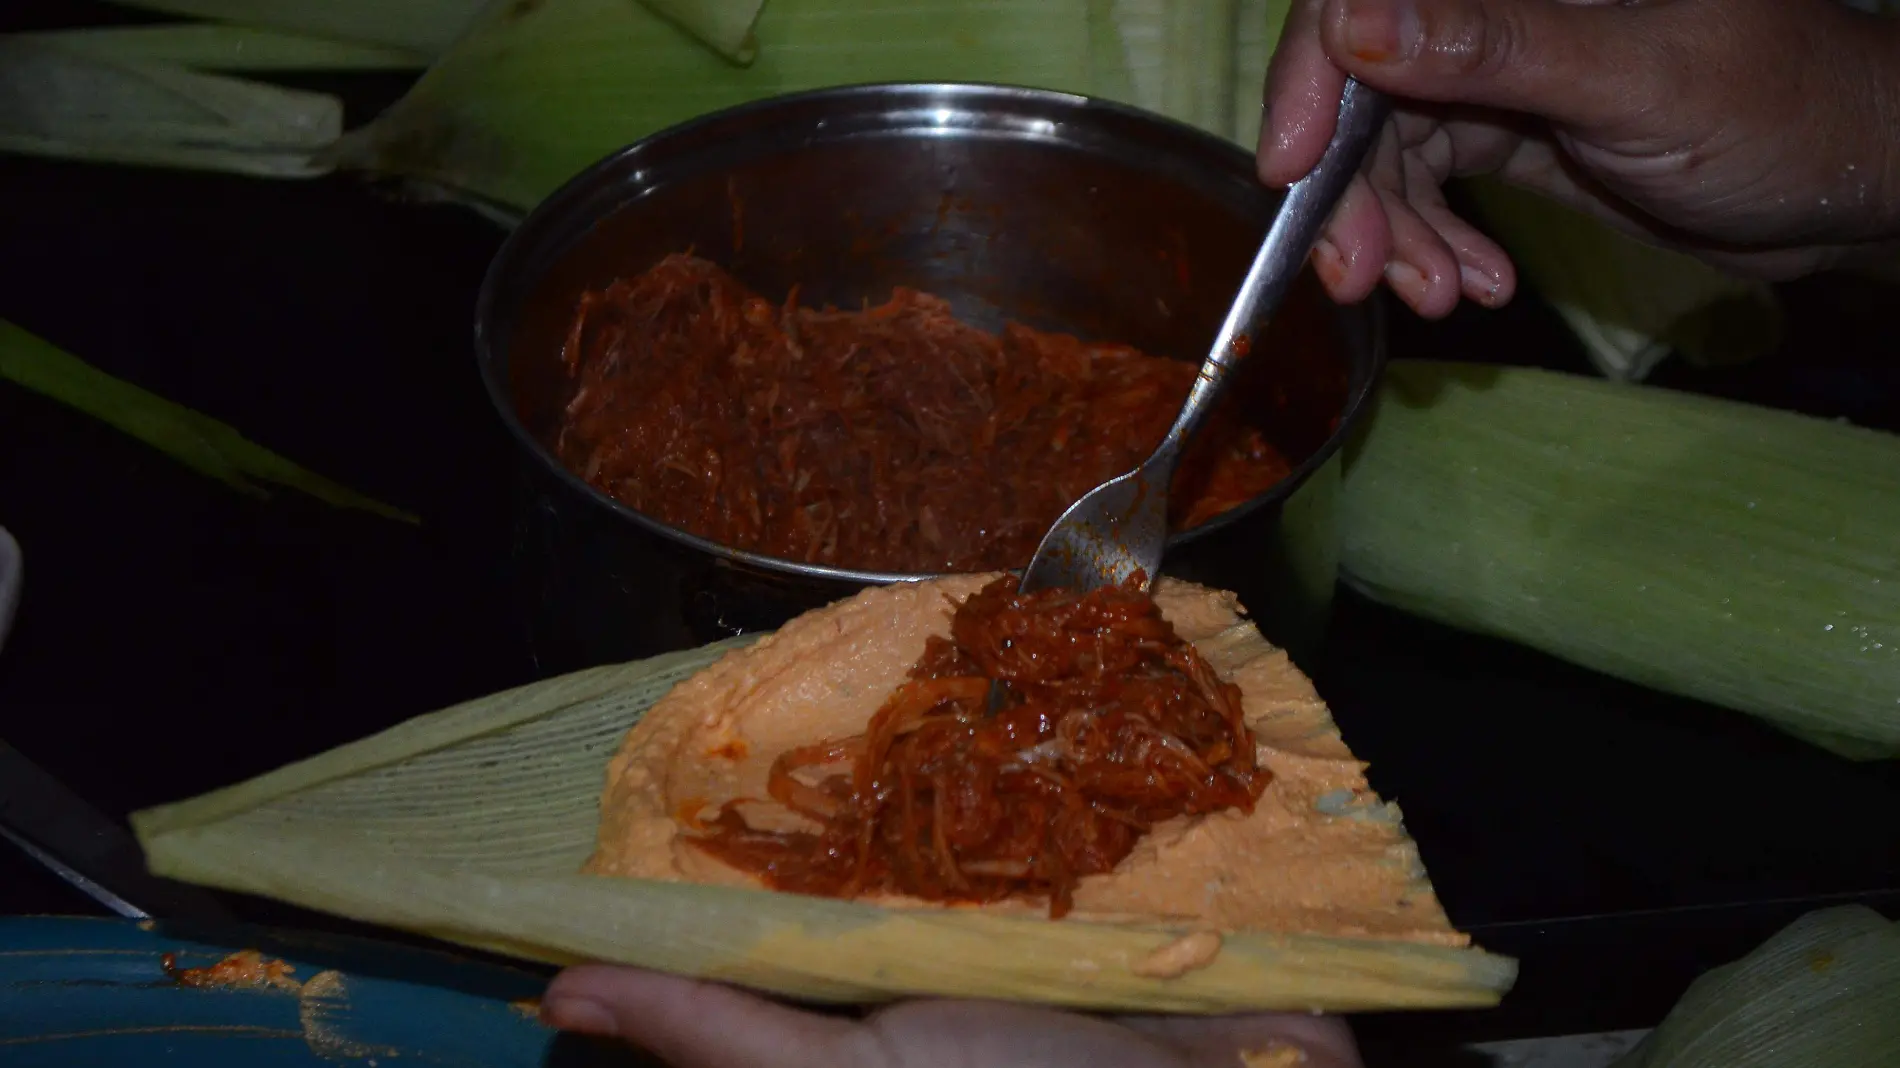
(1630, 304)
(1256, 34)
(1823, 993)
(216, 47)
(725, 25)
(472, 825)
(1720, 551)
(431, 27)
(527, 92)
(203, 444)
(529, 98)
(425, 26)
(1181, 58)
(68, 105)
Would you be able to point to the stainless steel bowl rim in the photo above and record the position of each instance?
(950, 111)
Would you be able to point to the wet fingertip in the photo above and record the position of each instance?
(1268, 171)
(1329, 264)
(1407, 282)
(1272, 160)
(1431, 296)
(1482, 287)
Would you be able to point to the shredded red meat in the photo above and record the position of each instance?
(1111, 725)
(893, 438)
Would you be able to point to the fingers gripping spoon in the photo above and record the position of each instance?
(1120, 527)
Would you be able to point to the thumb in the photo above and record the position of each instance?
(1568, 62)
(690, 1024)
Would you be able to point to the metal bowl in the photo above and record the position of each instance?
(1059, 211)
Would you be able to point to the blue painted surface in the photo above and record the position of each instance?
(77, 992)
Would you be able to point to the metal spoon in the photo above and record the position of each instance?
(1120, 526)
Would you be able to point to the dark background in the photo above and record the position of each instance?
(176, 636)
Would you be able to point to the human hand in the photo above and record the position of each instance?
(1759, 135)
(692, 1024)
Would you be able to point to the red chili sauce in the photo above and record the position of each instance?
(892, 438)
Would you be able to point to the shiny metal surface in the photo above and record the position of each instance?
(1119, 529)
(1054, 210)
(93, 853)
(73, 878)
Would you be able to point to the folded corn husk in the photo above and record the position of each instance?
(471, 825)
(1823, 993)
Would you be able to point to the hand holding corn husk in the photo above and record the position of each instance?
(1749, 134)
(1820, 994)
(710, 1026)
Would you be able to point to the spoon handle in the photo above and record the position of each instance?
(1296, 226)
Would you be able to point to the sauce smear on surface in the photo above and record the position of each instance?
(892, 438)
(1112, 724)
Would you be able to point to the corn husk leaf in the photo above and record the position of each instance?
(1181, 57)
(724, 25)
(67, 105)
(531, 96)
(529, 93)
(431, 27)
(1631, 304)
(425, 26)
(1257, 26)
(216, 47)
(471, 825)
(1823, 993)
(197, 441)
(1720, 551)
